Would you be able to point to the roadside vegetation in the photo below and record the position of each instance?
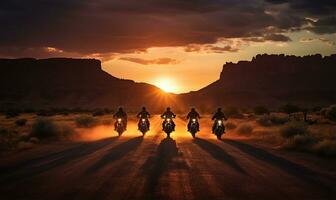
(26, 129)
(290, 127)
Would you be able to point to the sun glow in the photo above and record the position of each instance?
(166, 84)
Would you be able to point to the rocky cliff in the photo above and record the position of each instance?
(272, 80)
(64, 82)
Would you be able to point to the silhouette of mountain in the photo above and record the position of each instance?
(64, 83)
(271, 80)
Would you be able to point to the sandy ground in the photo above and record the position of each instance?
(104, 166)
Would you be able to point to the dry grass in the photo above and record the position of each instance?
(294, 128)
(272, 119)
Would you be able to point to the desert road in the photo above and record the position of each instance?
(154, 167)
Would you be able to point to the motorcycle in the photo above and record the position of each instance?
(143, 126)
(168, 126)
(193, 127)
(219, 129)
(119, 126)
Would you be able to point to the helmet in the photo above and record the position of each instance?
(168, 108)
(192, 109)
(143, 108)
(120, 109)
(219, 109)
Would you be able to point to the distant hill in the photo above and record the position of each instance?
(271, 80)
(64, 83)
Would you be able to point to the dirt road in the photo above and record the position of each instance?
(155, 167)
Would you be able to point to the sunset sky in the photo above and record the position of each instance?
(179, 45)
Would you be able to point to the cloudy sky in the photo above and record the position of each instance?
(180, 43)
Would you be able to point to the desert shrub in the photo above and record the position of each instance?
(43, 129)
(21, 122)
(325, 148)
(230, 126)
(65, 113)
(45, 113)
(273, 119)
(260, 110)
(98, 113)
(330, 113)
(12, 114)
(8, 140)
(85, 121)
(289, 109)
(245, 129)
(264, 120)
(292, 129)
(301, 142)
(278, 119)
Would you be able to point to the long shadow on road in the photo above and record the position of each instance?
(30, 168)
(158, 164)
(290, 167)
(116, 153)
(219, 154)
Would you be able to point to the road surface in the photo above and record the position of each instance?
(155, 167)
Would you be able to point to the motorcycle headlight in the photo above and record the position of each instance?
(168, 119)
(193, 120)
(119, 120)
(143, 120)
(220, 122)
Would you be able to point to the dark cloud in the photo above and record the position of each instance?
(324, 40)
(208, 48)
(158, 61)
(86, 27)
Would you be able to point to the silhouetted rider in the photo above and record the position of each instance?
(120, 114)
(168, 114)
(193, 114)
(143, 114)
(219, 115)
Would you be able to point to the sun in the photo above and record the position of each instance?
(166, 84)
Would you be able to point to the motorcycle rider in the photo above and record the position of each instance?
(219, 115)
(143, 114)
(193, 114)
(168, 114)
(120, 114)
